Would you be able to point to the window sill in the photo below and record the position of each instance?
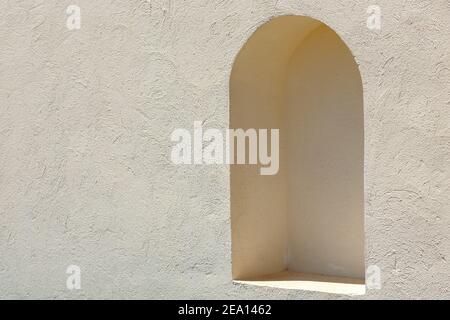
(309, 282)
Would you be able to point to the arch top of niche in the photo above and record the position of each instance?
(302, 228)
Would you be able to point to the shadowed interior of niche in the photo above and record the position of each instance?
(302, 228)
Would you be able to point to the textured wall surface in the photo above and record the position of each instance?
(86, 117)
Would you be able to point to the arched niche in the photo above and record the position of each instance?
(302, 228)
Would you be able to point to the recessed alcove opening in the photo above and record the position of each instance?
(302, 228)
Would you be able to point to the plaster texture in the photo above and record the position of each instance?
(86, 116)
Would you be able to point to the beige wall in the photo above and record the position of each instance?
(325, 193)
(258, 203)
(85, 125)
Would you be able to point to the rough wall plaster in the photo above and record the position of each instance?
(86, 116)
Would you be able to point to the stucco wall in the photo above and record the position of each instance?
(86, 116)
(326, 151)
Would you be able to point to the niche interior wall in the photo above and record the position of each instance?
(302, 228)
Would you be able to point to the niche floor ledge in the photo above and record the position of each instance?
(309, 282)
